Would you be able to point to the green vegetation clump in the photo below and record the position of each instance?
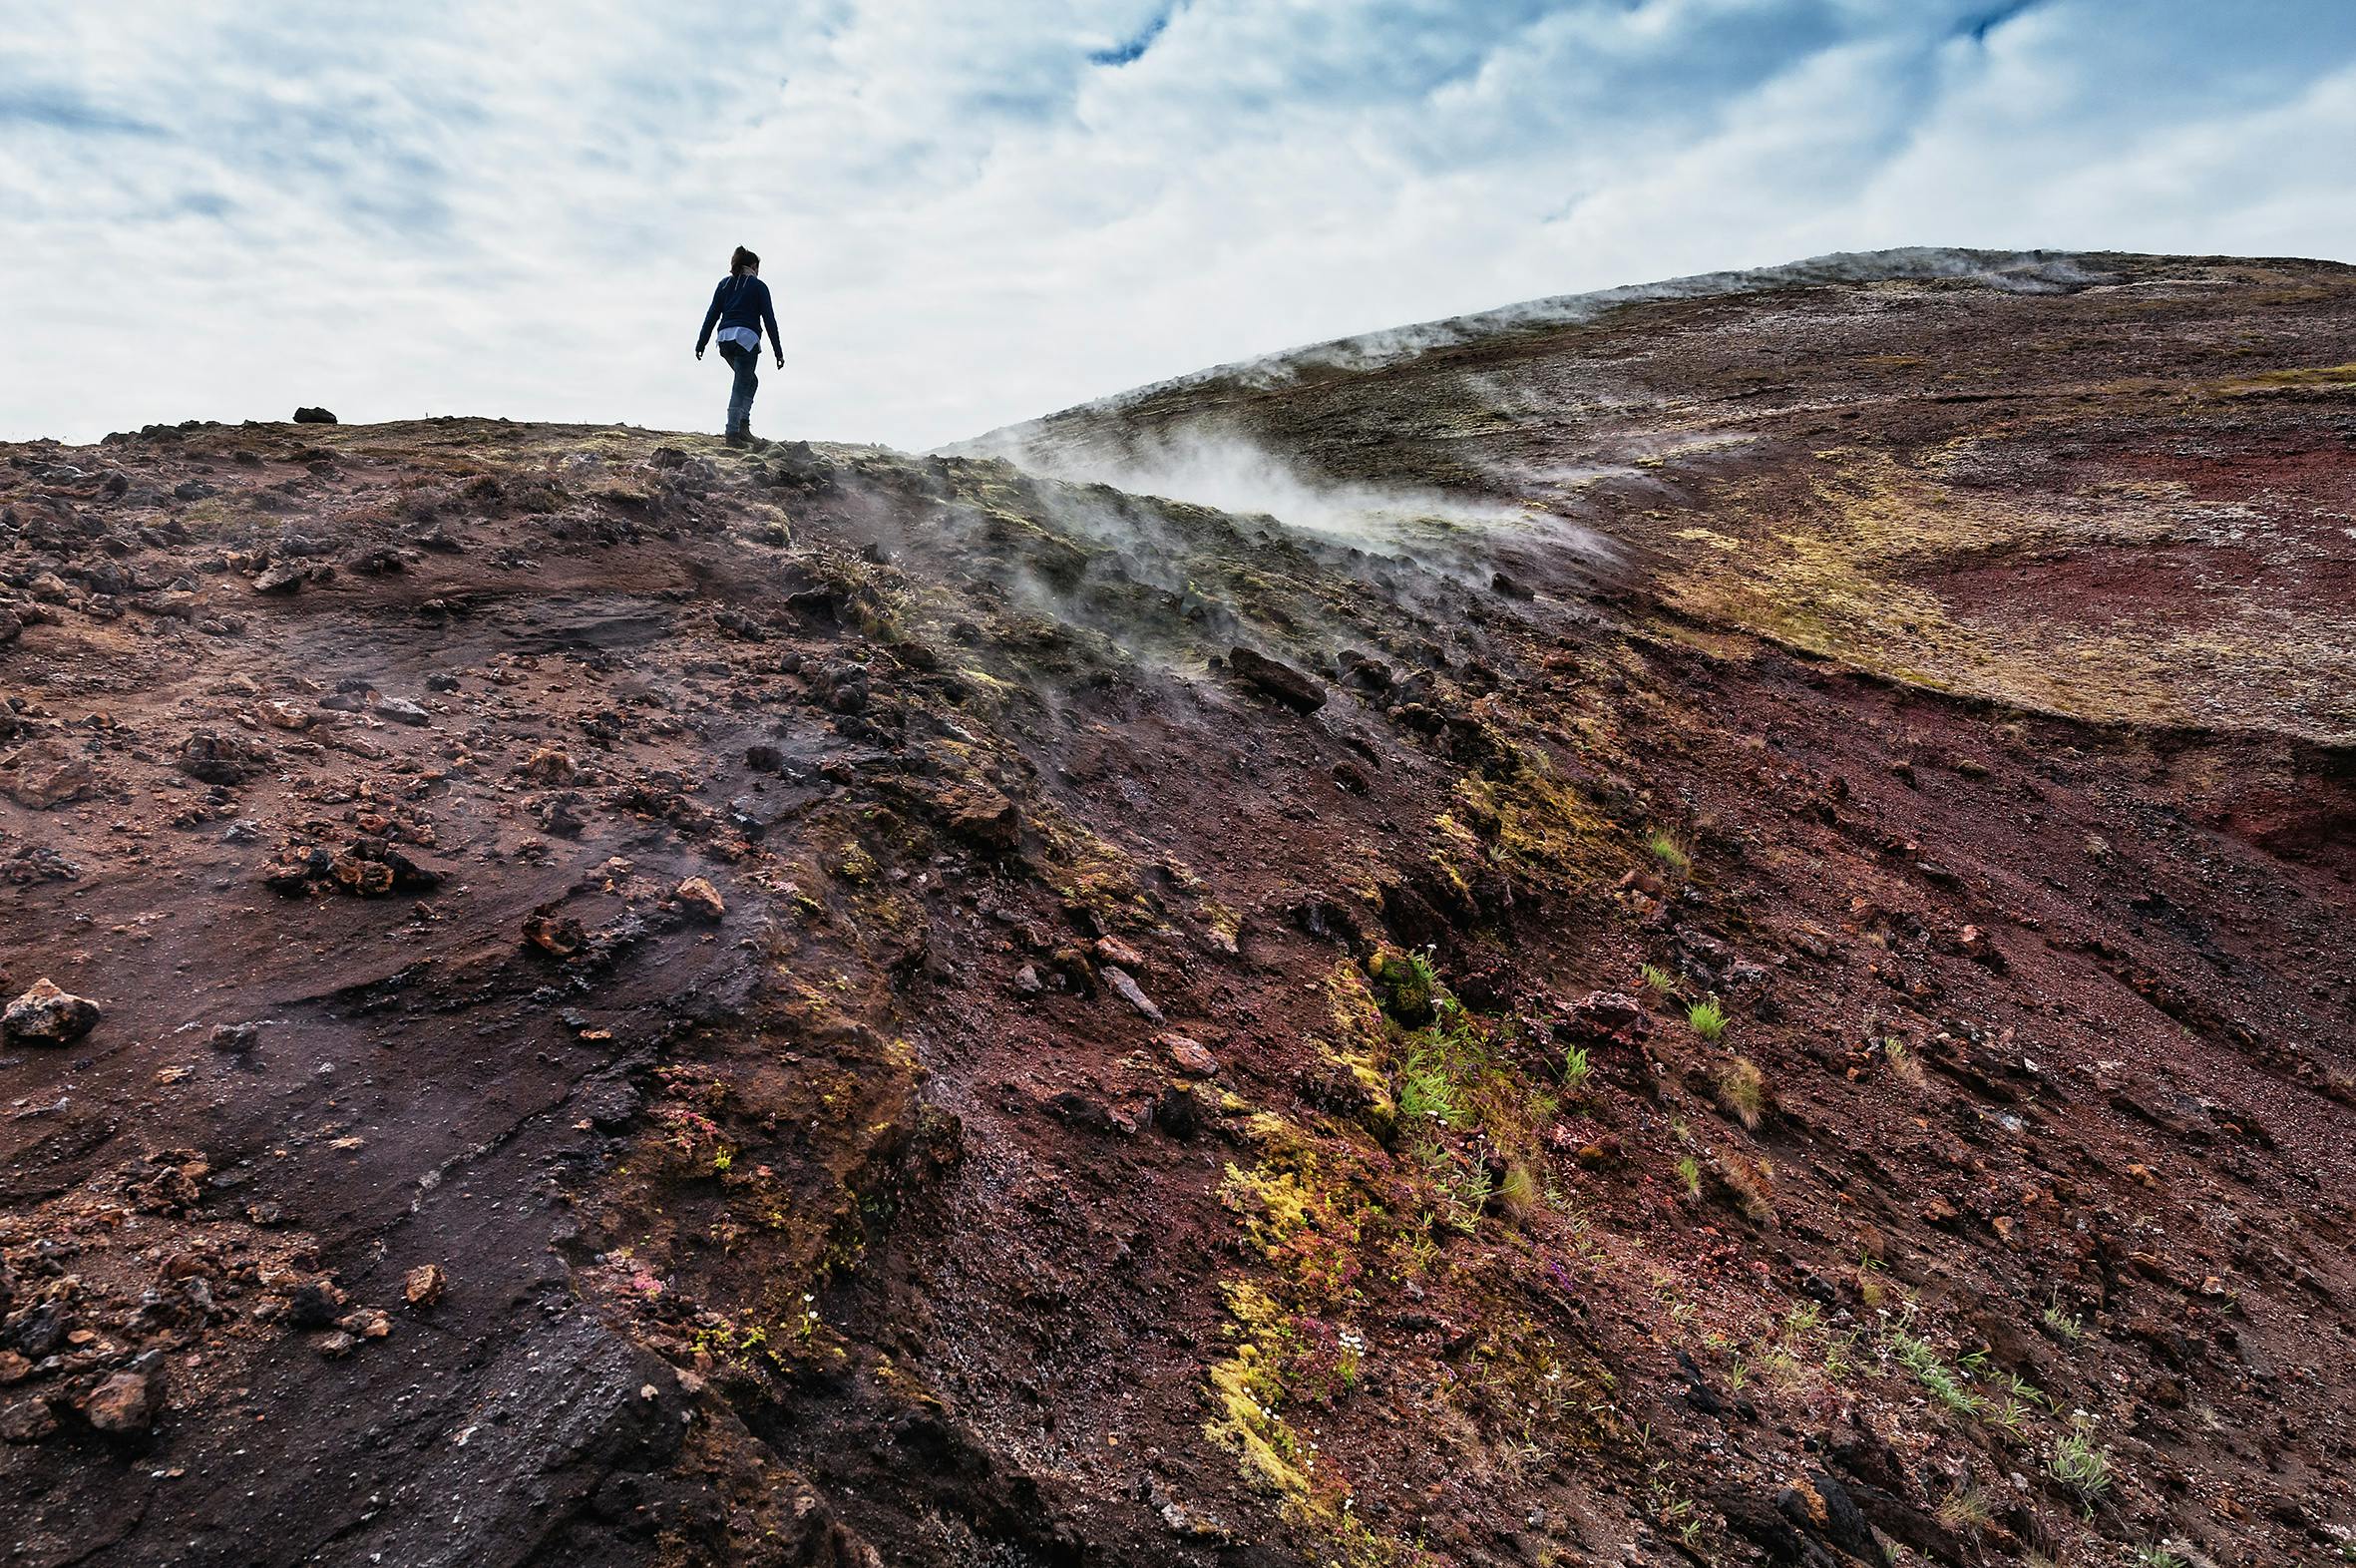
(1668, 851)
(2065, 1326)
(1707, 1018)
(1576, 1068)
(1406, 985)
(2081, 1467)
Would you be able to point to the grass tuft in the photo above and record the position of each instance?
(1707, 1018)
(1668, 851)
(1741, 1088)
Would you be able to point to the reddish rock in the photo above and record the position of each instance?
(46, 1015)
(425, 1285)
(1279, 681)
(1111, 949)
(124, 1405)
(1190, 1057)
(44, 773)
(700, 899)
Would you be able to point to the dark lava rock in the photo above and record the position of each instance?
(313, 416)
(218, 758)
(27, 1421)
(1279, 682)
(316, 1305)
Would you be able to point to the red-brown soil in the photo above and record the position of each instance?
(1986, 720)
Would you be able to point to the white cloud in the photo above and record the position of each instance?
(968, 217)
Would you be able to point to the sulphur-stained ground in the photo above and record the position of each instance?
(1772, 988)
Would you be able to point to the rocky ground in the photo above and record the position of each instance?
(580, 996)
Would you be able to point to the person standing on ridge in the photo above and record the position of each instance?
(741, 307)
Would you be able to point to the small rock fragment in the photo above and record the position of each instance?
(985, 819)
(315, 1303)
(1121, 981)
(425, 1285)
(1191, 1057)
(1113, 950)
(369, 1323)
(562, 935)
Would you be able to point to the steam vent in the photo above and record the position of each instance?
(1706, 924)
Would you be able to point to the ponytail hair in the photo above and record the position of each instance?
(742, 262)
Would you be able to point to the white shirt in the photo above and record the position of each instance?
(750, 338)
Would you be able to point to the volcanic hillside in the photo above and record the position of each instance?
(1727, 941)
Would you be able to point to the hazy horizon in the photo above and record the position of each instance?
(967, 222)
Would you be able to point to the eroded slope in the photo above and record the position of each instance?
(902, 1042)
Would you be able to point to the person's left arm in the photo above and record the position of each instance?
(769, 315)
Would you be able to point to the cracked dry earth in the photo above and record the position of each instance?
(646, 1003)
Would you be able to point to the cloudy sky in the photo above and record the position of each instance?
(975, 212)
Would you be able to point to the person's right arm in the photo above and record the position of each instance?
(704, 337)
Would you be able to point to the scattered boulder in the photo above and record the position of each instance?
(1601, 1012)
(315, 1303)
(235, 1038)
(44, 773)
(550, 765)
(1113, 950)
(216, 758)
(124, 1405)
(313, 416)
(1278, 682)
(402, 711)
(285, 577)
(46, 1015)
(700, 899)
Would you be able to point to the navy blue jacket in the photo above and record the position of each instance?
(741, 302)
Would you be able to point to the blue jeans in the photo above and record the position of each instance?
(743, 361)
